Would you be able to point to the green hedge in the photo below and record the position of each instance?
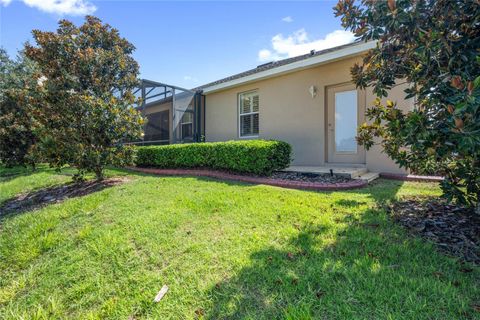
(260, 157)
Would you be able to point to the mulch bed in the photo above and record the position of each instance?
(284, 183)
(39, 198)
(455, 230)
(310, 177)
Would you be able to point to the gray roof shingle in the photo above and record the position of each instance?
(275, 64)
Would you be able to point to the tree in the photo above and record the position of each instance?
(84, 97)
(17, 138)
(434, 45)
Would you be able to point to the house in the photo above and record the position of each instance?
(308, 101)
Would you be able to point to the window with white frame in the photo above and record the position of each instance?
(187, 125)
(248, 114)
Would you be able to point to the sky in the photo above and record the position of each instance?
(188, 43)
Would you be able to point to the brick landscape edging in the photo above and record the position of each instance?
(410, 177)
(354, 184)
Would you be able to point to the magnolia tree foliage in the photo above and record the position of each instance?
(84, 96)
(17, 138)
(434, 45)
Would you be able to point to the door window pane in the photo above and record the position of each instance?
(346, 114)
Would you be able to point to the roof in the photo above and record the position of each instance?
(288, 65)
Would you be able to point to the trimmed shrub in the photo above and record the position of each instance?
(260, 157)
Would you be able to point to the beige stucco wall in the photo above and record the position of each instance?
(289, 113)
(376, 160)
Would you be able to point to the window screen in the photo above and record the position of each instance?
(157, 128)
(249, 114)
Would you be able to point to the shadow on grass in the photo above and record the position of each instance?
(230, 182)
(39, 198)
(368, 269)
(349, 203)
(7, 174)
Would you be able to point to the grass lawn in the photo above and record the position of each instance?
(226, 250)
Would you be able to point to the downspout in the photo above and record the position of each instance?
(174, 129)
(198, 115)
(143, 113)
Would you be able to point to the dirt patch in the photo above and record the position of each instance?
(455, 230)
(36, 199)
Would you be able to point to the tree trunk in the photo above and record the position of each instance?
(99, 173)
(477, 206)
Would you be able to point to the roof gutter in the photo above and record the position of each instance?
(295, 66)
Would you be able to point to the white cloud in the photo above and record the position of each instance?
(299, 43)
(190, 78)
(5, 2)
(287, 19)
(264, 54)
(62, 7)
